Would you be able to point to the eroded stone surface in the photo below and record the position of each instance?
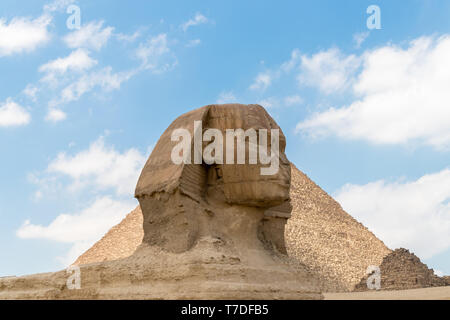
(183, 202)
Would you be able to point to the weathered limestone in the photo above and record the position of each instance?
(447, 280)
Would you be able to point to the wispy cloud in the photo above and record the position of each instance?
(71, 77)
(359, 38)
(31, 91)
(78, 60)
(128, 37)
(262, 81)
(155, 54)
(105, 78)
(269, 103)
(90, 36)
(197, 20)
(193, 43)
(265, 79)
(57, 5)
(226, 97)
(293, 100)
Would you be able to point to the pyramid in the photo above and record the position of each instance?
(327, 239)
(402, 269)
(119, 242)
(320, 235)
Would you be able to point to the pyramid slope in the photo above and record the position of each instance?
(119, 242)
(320, 235)
(327, 239)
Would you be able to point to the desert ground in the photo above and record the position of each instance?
(437, 293)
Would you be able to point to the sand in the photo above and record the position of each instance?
(438, 293)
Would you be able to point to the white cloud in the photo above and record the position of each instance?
(99, 170)
(81, 229)
(404, 96)
(198, 19)
(12, 114)
(101, 167)
(128, 37)
(293, 100)
(293, 62)
(103, 78)
(193, 43)
(31, 91)
(23, 34)
(359, 38)
(57, 5)
(262, 81)
(155, 54)
(55, 115)
(72, 77)
(89, 36)
(414, 214)
(274, 102)
(330, 71)
(226, 97)
(78, 60)
(269, 103)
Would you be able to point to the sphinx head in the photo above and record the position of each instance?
(209, 159)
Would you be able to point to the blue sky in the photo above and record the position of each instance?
(365, 112)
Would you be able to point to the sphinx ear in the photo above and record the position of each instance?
(193, 181)
(194, 176)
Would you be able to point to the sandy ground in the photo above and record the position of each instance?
(438, 293)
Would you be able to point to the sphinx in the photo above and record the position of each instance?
(212, 229)
(195, 200)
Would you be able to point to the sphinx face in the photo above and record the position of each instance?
(245, 184)
(184, 201)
